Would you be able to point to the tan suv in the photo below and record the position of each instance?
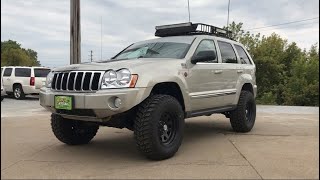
(152, 86)
(23, 80)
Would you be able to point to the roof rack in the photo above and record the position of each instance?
(191, 29)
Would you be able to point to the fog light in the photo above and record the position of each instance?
(117, 102)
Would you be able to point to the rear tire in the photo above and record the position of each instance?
(242, 119)
(159, 125)
(2, 98)
(72, 132)
(18, 92)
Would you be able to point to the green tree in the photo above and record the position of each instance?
(12, 54)
(302, 87)
(284, 73)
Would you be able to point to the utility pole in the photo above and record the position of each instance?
(75, 32)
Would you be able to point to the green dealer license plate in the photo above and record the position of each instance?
(63, 102)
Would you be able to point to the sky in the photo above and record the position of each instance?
(44, 25)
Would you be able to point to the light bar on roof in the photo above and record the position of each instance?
(188, 24)
(223, 31)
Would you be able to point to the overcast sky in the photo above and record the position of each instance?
(44, 25)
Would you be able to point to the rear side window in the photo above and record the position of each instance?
(22, 72)
(244, 58)
(7, 72)
(227, 53)
(41, 72)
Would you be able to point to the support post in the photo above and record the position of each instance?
(75, 32)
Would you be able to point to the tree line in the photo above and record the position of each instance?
(285, 74)
(12, 54)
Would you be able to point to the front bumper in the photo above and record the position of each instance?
(96, 106)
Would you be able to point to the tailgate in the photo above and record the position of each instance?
(39, 82)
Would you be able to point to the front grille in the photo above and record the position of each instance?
(76, 81)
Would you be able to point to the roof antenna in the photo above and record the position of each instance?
(228, 15)
(189, 10)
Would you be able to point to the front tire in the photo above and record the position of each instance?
(242, 119)
(72, 132)
(159, 125)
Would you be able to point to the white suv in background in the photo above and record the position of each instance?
(3, 93)
(22, 80)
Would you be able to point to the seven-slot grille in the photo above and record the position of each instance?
(76, 81)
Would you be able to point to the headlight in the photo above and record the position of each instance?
(123, 77)
(118, 79)
(110, 77)
(49, 79)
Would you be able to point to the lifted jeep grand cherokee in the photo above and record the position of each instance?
(152, 86)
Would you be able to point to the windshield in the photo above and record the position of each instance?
(159, 48)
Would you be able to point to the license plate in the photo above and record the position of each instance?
(63, 102)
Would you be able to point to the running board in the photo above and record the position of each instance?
(206, 112)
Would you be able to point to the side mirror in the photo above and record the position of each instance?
(203, 56)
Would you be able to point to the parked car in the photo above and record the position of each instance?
(22, 80)
(152, 86)
(3, 93)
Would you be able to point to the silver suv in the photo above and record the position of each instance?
(152, 86)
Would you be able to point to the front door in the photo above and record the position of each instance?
(204, 79)
(7, 84)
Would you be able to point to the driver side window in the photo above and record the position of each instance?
(207, 45)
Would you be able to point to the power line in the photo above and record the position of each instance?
(281, 24)
(286, 27)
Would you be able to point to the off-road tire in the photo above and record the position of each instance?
(240, 119)
(147, 126)
(72, 132)
(18, 92)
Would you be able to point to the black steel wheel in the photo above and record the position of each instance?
(168, 127)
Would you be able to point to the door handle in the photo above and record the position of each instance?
(240, 71)
(217, 71)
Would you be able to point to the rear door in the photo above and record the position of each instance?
(245, 60)
(40, 75)
(231, 72)
(22, 76)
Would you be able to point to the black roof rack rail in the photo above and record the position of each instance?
(190, 28)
